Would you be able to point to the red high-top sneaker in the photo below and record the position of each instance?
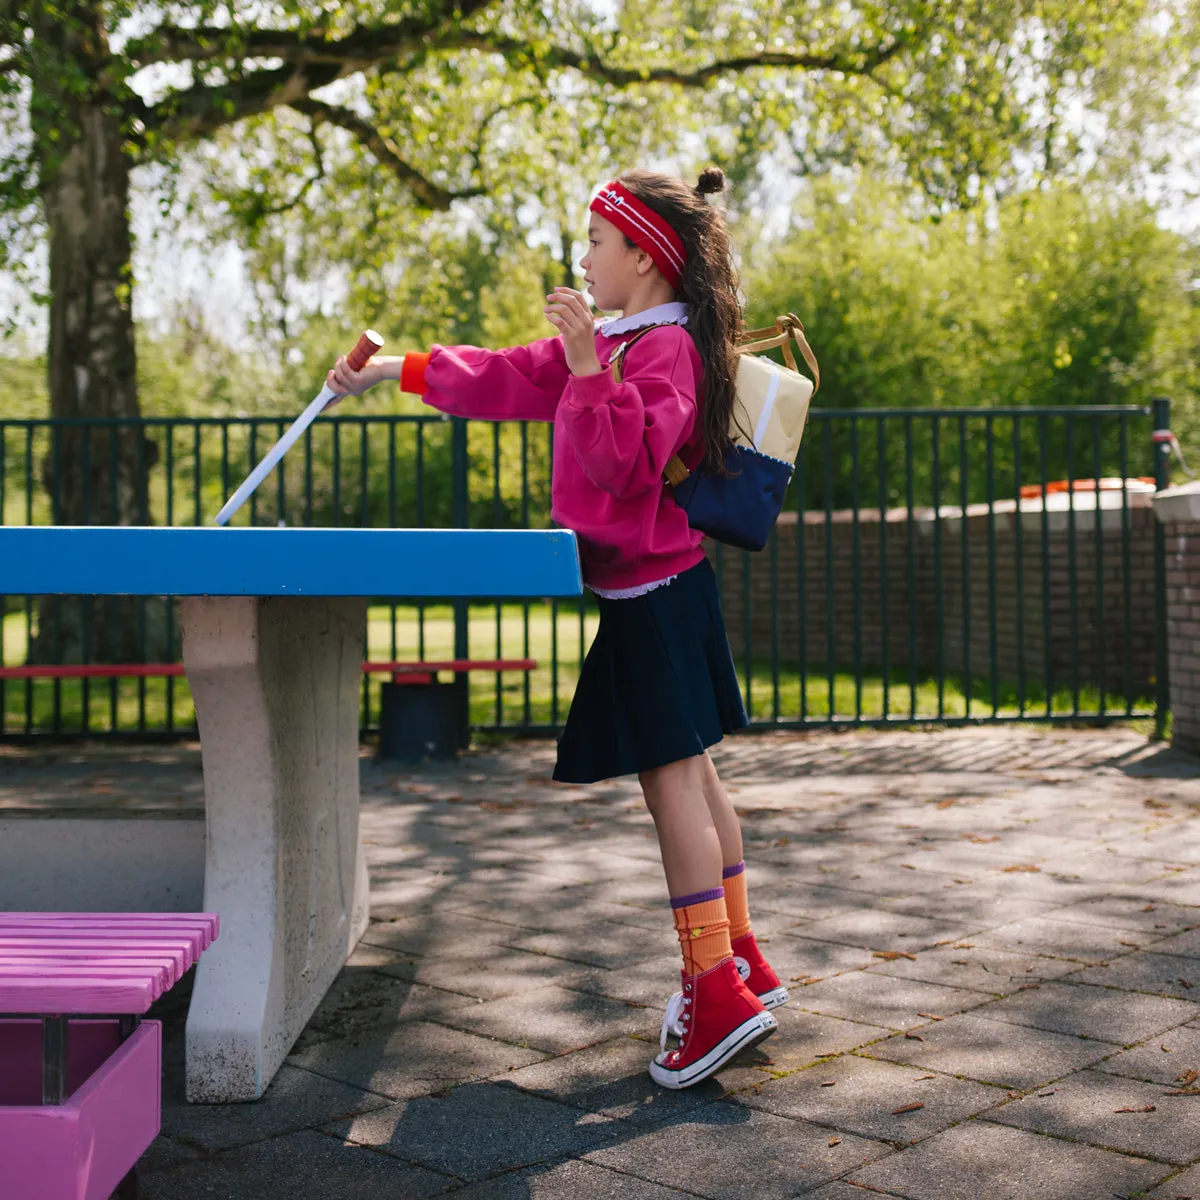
(755, 973)
(719, 1017)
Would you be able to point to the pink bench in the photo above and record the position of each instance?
(80, 1071)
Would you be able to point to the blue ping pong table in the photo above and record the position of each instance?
(273, 623)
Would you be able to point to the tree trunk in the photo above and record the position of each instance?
(96, 468)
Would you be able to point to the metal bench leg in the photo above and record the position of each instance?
(54, 1060)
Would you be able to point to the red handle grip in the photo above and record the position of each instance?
(370, 343)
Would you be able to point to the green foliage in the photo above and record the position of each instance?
(1067, 296)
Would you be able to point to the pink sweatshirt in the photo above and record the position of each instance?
(611, 444)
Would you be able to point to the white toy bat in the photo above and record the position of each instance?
(368, 344)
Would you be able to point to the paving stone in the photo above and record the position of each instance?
(1184, 1186)
(361, 999)
(568, 1180)
(967, 965)
(1095, 1012)
(1129, 912)
(1063, 939)
(706, 1152)
(1177, 841)
(811, 900)
(1180, 887)
(862, 1095)
(478, 1129)
(288, 1168)
(967, 906)
(412, 1059)
(611, 948)
(1145, 971)
(612, 1079)
(454, 936)
(954, 1165)
(1107, 866)
(1187, 945)
(889, 879)
(804, 1038)
(1084, 1108)
(795, 957)
(487, 976)
(647, 983)
(1163, 1059)
(879, 929)
(839, 1191)
(554, 1019)
(297, 1099)
(879, 1000)
(164, 1154)
(993, 1051)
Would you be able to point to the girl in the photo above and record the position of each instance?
(658, 686)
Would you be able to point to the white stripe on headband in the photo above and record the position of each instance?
(617, 202)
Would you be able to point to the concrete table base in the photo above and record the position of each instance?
(276, 687)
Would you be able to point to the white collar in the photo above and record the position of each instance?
(675, 312)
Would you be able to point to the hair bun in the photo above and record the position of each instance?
(712, 179)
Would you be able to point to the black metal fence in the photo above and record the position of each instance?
(933, 565)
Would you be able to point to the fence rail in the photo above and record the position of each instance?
(933, 565)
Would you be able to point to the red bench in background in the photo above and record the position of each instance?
(401, 672)
(435, 726)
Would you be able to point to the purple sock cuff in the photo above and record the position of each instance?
(698, 898)
(736, 869)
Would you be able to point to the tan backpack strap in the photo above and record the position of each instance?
(675, 472)
(786, 329)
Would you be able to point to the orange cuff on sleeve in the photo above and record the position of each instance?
(412, 374)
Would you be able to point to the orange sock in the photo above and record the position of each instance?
(734, 880)
(703, 930)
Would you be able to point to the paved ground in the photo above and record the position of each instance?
(992, 939)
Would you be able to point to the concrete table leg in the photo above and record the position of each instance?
(276, 682)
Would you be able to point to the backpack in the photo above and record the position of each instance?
(769, 412)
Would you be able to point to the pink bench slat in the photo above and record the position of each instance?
(182, 953)
(80, 995)
(66, 963)
(168, 960)
(203, 925)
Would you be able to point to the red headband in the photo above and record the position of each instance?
(641, 223)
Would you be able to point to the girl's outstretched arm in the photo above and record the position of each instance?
(524, 383)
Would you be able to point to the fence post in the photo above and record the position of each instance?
(1161, 411)
(461, 518)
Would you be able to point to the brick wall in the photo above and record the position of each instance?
(1014, 575)
(1179, 510)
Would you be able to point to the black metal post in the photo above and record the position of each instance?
(461, 515)
(1161, 411)
(54, 1060)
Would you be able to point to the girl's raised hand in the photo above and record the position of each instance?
(569, 312)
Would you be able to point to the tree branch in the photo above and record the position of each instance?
(200, 110)
(366, 45)
(850, 63)
(386, 152)
(373, 45)
(311, 62)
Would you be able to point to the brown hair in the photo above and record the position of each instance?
(709, 288)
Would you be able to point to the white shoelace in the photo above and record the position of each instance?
(673, 1019)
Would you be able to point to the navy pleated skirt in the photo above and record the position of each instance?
(658, 683)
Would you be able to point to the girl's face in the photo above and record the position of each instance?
(610, 266)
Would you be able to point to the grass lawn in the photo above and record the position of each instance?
(519, 698)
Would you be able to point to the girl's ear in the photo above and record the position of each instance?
(645, 264)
